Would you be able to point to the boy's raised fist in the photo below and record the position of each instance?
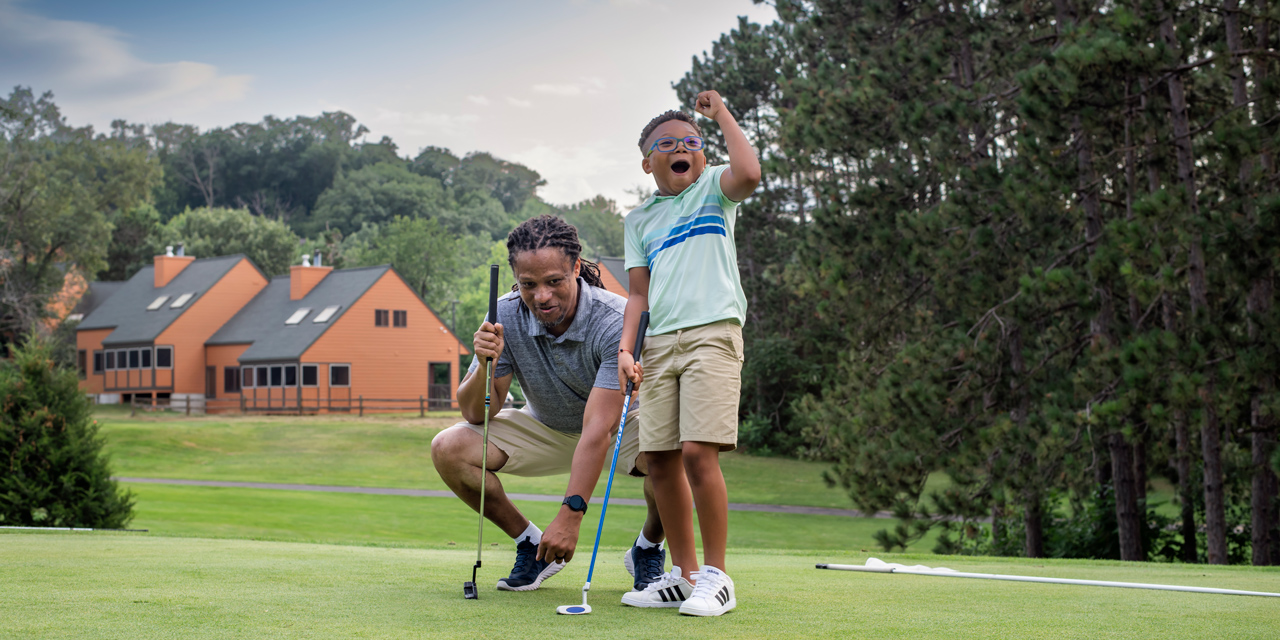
(709, 104)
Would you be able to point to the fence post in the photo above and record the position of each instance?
(133, 406)
(422, 407)
(361, 406)
(188, 404)
(242, 402)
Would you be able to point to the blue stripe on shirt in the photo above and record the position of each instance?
(715, 229)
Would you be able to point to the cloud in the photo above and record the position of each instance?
(480, 100)
(573, 174)
(90, 65)
(586, 86)
(421, 121)
(516, 102)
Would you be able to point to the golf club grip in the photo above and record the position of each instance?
(492, 318)
(644, 326)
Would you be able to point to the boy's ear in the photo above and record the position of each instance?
(644, 164)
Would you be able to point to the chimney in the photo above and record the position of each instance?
(304, 277)
(168, 266)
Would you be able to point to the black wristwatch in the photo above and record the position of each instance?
(576, 503)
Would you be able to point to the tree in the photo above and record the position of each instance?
(425, 255)
(376, 194)
(219, 232)
(599, 226)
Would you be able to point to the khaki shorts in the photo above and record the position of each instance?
(692, 380)
(534, 450)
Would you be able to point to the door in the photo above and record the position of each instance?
(210, 383)
(439, 386)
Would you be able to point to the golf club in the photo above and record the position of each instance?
(469, 588)
(584, 608)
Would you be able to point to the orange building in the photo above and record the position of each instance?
(614, 276)
(314, 340)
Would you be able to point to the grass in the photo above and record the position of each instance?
(110, 586)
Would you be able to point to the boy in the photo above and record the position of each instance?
(682, 266)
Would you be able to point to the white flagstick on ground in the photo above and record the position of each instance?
(875, 565)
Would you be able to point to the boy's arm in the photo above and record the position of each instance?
(637, 303)
(743, 175)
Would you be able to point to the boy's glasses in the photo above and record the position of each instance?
(667, 145)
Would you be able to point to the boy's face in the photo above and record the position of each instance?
(675, 171)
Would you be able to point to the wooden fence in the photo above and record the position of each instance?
(358, 405)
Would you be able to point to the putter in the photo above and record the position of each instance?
(469, 588)
(584, 608)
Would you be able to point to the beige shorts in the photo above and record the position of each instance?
(534, 450)
(692, 380)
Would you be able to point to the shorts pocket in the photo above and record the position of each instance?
(735, 340)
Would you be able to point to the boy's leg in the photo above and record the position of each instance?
(702, 466)
(675, 508)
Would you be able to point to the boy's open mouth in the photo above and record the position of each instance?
(680, 167)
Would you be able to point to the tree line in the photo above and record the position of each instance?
(1012, 261)
(104, 203)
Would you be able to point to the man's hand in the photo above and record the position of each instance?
(487, 342)
(709, 104)
(561, 537)
(628, 369)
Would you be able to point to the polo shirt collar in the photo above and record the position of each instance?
(578, 328)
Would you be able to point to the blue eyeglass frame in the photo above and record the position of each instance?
(685, 141)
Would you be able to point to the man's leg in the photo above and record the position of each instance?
(652, 530)
(456, 455)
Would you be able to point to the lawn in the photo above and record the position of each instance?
(107, 586)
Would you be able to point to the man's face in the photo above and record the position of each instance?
(674, 171)
(548, 283)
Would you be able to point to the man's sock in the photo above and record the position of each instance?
(644, 543)
(532, 532)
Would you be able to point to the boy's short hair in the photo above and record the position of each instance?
(666, 117)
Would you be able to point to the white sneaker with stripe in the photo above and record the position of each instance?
(668, 591)
(712, 596)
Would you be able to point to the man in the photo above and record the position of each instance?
(558, 334)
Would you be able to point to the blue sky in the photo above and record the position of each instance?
(563, 86)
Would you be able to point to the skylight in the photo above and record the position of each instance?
(298, 315)
(182, 299)
(326, 314)
(157, 303)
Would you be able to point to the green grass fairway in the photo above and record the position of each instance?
(379, 451)
(108, 586)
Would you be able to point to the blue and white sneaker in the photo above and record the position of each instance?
(644, 565)
(529, 572)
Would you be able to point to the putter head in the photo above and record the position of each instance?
(469, 591)
(574, 609)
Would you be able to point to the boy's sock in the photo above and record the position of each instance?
(644, 543)
(532, 532)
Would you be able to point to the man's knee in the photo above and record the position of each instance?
(448, 444)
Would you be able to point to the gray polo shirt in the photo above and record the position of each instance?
(557, 374)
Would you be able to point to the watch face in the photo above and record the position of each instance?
(576, 503)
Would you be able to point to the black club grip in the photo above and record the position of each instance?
(493, 294)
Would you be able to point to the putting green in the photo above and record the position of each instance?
(131, 587)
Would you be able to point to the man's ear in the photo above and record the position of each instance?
(644, 164)
(577, 268)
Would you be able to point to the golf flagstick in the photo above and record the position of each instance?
(469, 590)
(573, 609)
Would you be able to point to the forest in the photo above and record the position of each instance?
(1011, 262)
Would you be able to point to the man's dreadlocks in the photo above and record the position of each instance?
(550, 231)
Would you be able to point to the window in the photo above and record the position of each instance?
(122, 359)
(262, 377)
(339, 375)
(135, 359)
(380, 318)
(310, 375)
(164, 357)
(290, 376)
(298, 315)
(247, 377)
(182, 299)
(326, 314)
(277, 376)
(157, 303)
(146, 358)
(402, 319)
(111, 361)
(82, 363)
(231, 379)
(98, 362)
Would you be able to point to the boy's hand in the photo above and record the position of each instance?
(487, 341)
(628, 369)
(709, 104)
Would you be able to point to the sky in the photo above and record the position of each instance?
(561, 86)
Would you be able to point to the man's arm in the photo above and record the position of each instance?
(743, 175)
(599, 423)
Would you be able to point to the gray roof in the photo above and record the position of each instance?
(261, 322)
(614, 265)
(95, 295)
(126, 310)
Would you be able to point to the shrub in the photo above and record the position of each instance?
(54, 471)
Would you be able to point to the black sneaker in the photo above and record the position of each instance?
(645, 565)
(529, 572)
